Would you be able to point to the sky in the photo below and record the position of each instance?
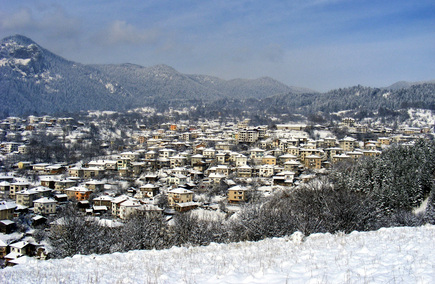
(317, 44)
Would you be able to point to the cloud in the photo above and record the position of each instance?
(274, 52)
(22, 19)
(121, 32)
(52, 22)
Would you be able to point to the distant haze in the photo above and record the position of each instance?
(318, 44)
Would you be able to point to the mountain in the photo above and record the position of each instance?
(164, 82)
(359, 99)
(406, 84)
(35, 80)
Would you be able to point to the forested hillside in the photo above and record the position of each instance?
(35, 81)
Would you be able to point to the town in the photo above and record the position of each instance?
(111, 168)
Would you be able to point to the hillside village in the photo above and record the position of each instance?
(182, 165)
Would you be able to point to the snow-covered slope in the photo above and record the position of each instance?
(395, 255)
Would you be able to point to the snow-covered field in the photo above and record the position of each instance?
(395, 255)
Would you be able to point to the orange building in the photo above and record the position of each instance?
(78, 192)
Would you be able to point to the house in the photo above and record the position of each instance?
(197, 160)
(179, 195)
(186, 206)
(265, 171)
(355, 154)
(103, 200)
(293, 150)
(40, 168)
(177, 179)
(7, 210)
(341, 158)
(383, 141)
(61, 185)
(38, 220)
(292, 165)
(4, 189)
(313, 162)
(284, 178)
(177, 161)
(247, 136)
(17, 186)
(4, 249)
(61, 197)
(48, 182)
(237, 194)
(20, 248)
(269, 160)
(216, 178)
(24, 165)
(167, 153)
(44, 206)
(222, 158)
(99, 209)
(93, 172)
(209, 153)
(294, 127)
(347, 144)
(244, 171)
(371, 153)
(256, 154)
(55, 169)
(127, 208)
(78, 192)
(137, 167)
(303, 153)
(116, 204)
(76, 172)
(26, 197)
(240, 160)
(149, 190)
(149, 210)
(7, 226)
(220, 169)
(95, 185)
(132, 156)
(286, 157)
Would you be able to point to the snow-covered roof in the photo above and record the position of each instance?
(180, 190)
(45, 200)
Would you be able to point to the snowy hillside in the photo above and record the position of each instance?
(395, 255)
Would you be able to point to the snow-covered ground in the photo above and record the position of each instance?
(395, 255)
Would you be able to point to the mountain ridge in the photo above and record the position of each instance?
(33, 80)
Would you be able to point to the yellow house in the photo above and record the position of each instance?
(179, 195)
(347, 144)
(236, 194)
(313, 162)
(269, 160)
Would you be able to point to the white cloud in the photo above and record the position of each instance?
(22, 19)
(123, 32)
(52, 22)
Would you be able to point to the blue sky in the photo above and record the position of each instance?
(318, 44)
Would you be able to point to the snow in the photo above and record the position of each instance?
(3, 62)
(14, 61)
(110, 87)
(386, 95)
(394, 255)
(22, 61)
(420, 118)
